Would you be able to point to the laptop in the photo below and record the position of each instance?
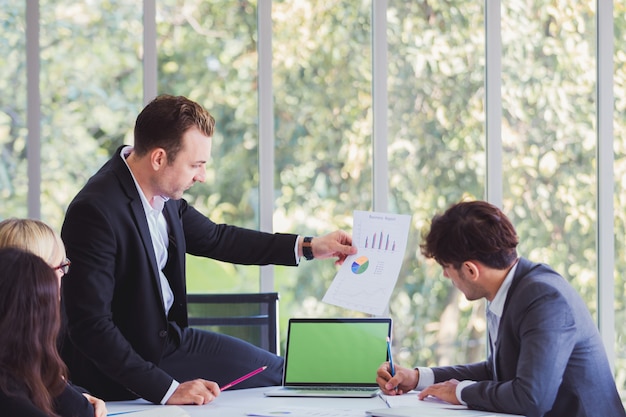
(333, 357)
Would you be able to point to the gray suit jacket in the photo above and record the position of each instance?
(550, 359)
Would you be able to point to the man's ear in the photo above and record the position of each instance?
(158, 158)
(472, 269)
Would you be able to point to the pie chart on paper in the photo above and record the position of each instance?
(360, 265)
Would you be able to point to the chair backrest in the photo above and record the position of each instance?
(252, 317)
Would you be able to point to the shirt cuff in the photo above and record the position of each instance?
(426, 378)
(295, 250)
(170, 392)
(460, 387)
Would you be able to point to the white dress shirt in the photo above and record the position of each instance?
(160, 243)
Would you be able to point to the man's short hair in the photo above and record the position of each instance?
(164, 121)
(472, 230)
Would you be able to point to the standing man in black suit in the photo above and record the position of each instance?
(546, 357)
(127, 232)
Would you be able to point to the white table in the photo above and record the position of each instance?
(238, 403)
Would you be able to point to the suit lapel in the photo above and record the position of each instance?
(176, 254)
(523, 266)
(175, 268)
(139, 215)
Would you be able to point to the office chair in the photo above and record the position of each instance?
(252, 317)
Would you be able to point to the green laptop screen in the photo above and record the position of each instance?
(339, 351)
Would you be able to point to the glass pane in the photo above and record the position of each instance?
(13, 162)
(207, 52)
(322, 86)
(619, 126)
(91, 92)
(436, 157)
(549, 135)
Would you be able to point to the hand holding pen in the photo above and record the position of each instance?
(197, 392)
(395, 380)
(403, 380)
(201, 391)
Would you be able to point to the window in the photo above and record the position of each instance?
(90, 84)
(322, 71)
(436, 157)
(91, 89)
(13, 131)
(207, 51)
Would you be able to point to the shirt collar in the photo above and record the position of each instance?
(158, 202)
(496, 306)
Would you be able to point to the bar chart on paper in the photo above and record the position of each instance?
(366, 280)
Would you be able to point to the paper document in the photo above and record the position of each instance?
(153, 411)
(427, 412)
(366, 280)
(410, 399)
(306, 412)
(408, 405)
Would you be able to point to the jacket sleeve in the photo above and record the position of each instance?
(479, 371)
(69, 403)
(234, 244)
(11, 405)
(73, 403)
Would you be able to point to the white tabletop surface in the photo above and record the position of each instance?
(248, 402)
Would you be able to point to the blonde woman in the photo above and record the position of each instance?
(23, 388)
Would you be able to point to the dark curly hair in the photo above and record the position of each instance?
(474, 230)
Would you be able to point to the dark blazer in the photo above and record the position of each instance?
(70, 403)
(550, 359)
(112, 294)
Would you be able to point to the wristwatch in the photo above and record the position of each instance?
(307, 250)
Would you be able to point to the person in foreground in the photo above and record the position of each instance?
(33, 378)
(127, 232)
(546, 356)
(40, 239)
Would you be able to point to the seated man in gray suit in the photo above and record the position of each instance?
(547, 357)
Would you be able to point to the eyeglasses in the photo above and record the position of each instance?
(64, 267)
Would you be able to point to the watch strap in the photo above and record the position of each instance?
(307, 249)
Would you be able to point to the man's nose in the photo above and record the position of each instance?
(200, 176)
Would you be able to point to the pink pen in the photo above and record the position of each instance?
(243, 378)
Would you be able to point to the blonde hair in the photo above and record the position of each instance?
(34, 236)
